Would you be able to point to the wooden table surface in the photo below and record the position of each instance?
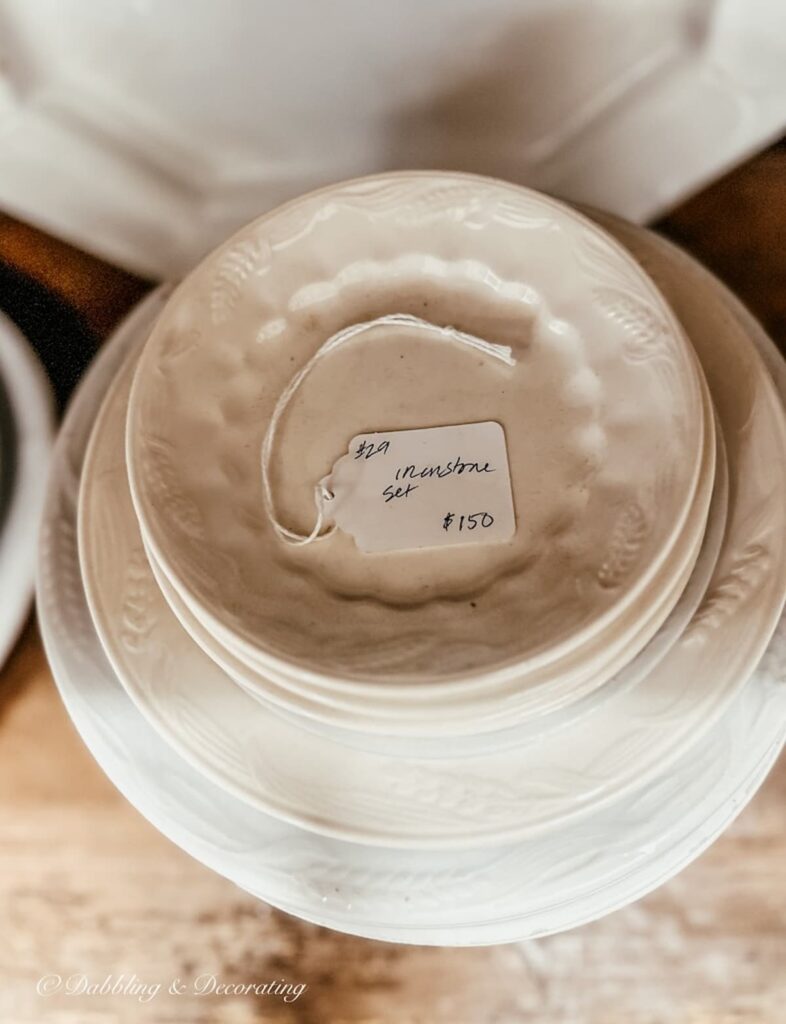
(87, 887)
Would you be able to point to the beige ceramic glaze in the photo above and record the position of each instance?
(472, 726)
(430, 711)
(601, 412)
(530, 888)
(395, 801)
(474, 706)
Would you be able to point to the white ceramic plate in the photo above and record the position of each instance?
(525, 891)
(367, 733)
(363, 713)
(625, 105)
(602, 413)
(312, 780)
(495, 742)
(371, 797)
(26, 436)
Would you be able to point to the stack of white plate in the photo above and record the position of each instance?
(454, 744)
(26, 427)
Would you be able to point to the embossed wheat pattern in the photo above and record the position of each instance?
(176, 344)
(61, 584)
(416, 205)
(525, 865)
(522, 213)
(137, 618)
(752, 565)
(622, 298)
(427, 795)
(647, 339)
(454, 797)
(749, 569)
(161, 480)
(646, 332)
(396, 199)
(334, 880)
(628, 535)
(247, 258)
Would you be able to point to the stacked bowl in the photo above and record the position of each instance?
(527, 642)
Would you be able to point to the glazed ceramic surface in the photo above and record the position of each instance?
(602, 414)
(523, 891)
(304, 778)
(363, 738)
(355, 726)
(26, 426)
(375, 798)
(473, 708)
(625, 105)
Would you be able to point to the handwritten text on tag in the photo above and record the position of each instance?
(424, 488)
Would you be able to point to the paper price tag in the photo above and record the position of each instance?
(426, 488)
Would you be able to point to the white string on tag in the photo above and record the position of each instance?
(322, 495)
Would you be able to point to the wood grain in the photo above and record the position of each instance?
(88, 887)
